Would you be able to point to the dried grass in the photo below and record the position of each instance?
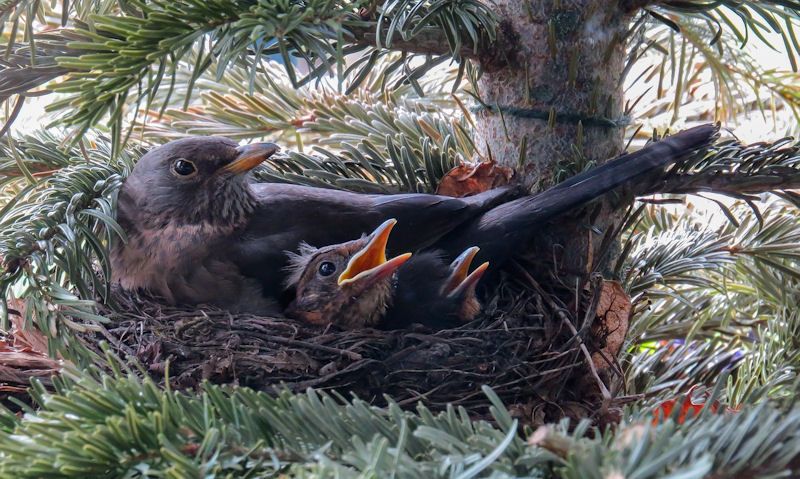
(522, 346)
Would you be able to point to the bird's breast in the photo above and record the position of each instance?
(167, 261)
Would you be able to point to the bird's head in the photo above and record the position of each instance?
(195, 180)
(460, 286)
(348, 284)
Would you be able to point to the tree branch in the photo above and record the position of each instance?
(428, 41)
(432, 41)
(730, 183)
(733, 169)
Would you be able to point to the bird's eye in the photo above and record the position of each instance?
(327, 268)
(184, 167)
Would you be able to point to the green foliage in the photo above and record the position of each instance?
(277, 110)
(374, 139)
(55, 231)
(739, 171)
(738, 17)
(97, 425)
(722, 294)
(122, 426)
(112, 57)
(119, 57)
(724, 299)
(682, 65)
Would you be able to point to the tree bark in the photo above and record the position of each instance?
(561, 99)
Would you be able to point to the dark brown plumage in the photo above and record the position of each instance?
(433, 293)
(199, 232)
(353, 285)
(211, 236)
(502, 231)
(349, 284)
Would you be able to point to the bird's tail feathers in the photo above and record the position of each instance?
(626, 169)
(656, 155)
(515, 221)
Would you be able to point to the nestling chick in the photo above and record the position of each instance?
(348, 284)
(199, 230)
(373, 291)
(430, 292)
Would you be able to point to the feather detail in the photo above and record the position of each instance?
(298, 263)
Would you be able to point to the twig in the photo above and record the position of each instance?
(728, 183)
(294, 342)
(430, 41)
(117, 342)
(565, 319)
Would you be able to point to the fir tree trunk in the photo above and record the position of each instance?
(561, 99)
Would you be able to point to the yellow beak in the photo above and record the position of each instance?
(469, 283)
(371, 260)
(250, 156)
(459, 269)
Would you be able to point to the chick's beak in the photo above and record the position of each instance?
(459, 269)
(370, 263)
(250, 156)
(467, 287)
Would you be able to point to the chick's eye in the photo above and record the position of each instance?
(327, 268)
(184, 167)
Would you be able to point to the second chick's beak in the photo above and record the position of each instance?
(369, 264)
(461, 281)
(250, 156)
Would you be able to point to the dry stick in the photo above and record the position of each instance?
(565, 319)
(117, 343)
(315, 382)
(293, 342)
(417, 396)
(613, 363)
(539, 374)
(592, 310)
(428, 41)
(727, 183)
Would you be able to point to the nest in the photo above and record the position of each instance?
(526, 346)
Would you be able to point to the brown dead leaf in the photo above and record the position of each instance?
(611, 326)
(470, 179)
(30, 339)
(23, 353)
(17, 367)
(25, 360)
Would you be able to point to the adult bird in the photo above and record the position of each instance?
(353, 285)
(198, 231)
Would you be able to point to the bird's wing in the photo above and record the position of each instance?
(287, 215)
(423, 219)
